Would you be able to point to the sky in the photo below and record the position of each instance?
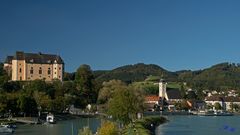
(106, 34)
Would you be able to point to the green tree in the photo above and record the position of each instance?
(217, 106)
(58, 86)
(3, 76)
(3, 102)
(127, 101)
(42, 100)
(36, 85)
(84, 80)
(106, 92)
(27, 105)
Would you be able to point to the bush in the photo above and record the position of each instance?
(85, 131)
(108, 128)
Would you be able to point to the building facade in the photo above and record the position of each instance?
(226, 102)
(32, 66)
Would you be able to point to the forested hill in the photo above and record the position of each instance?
(132, 73)
(219, 77)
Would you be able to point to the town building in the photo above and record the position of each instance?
(171, 95)
(31, 66)
(226, 102)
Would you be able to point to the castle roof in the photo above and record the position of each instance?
(38, 58)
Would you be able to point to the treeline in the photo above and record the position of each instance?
(222, 76)
(29, 97)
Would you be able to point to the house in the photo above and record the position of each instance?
(151, 101)
(31, 66)
(225, 102)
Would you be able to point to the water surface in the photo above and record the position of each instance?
(69, 127)
(200, 125)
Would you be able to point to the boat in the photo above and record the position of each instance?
(6, 129)
(222, 113)
(213, 113)
(50, 119)
(205, 113)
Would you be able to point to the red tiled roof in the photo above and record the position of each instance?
(152, 98)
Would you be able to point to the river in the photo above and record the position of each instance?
(200, 125)
(68, 127)
(177, 125)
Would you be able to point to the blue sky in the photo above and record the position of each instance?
(175, 34)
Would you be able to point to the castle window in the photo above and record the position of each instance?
(55, 72)
(20, 70)
(49, 71)
(31, 71)
(20, 78)
(59, 68)
(40, 70)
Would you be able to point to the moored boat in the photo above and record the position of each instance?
(213, 113)
(50, 119)
(6, 129)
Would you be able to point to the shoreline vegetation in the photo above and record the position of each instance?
(144, 126)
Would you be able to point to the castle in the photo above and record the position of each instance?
(31, 66)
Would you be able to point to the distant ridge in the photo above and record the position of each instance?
(136, 72)
(218, 77)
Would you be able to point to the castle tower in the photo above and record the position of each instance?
(162, 88)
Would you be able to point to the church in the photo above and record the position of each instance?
(166, 97)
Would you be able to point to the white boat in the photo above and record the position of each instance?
(50, 119)
(213, 113)
(222, 113)
(6, 129)
(205, 113)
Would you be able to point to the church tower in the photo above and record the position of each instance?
(162, 88)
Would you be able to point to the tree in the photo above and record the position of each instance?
(191, 95)
(236, 107)
(27, 105)
(126, 103)
(3, 102)
(106, 92)
(84, 81)
(58, 86)
(42, 100)
(108, 128)
(36, 85)
(217, 106)
(3, 76)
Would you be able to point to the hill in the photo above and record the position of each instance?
(136, 72)
(218, 77)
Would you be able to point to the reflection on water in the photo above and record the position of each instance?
(200, 125)
(69, 127)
